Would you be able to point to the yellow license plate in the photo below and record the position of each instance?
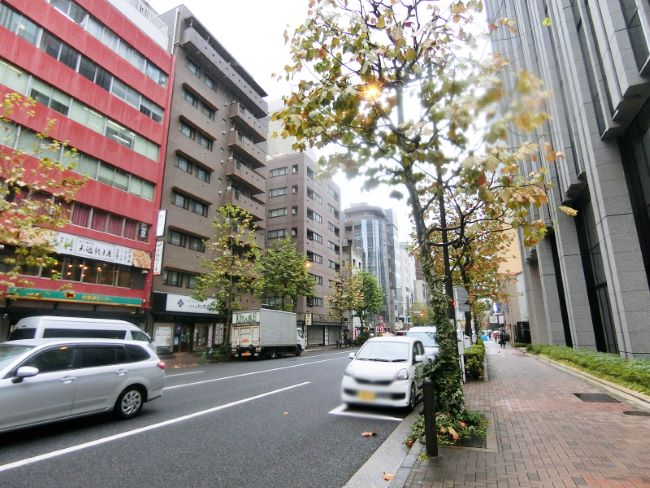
(366, 395)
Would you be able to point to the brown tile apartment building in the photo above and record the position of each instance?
(216, 155)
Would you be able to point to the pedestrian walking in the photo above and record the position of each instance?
(503, 337)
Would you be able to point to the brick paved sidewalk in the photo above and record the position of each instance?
(545, 435)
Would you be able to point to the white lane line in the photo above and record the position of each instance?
(104, 440)
(328, 354)
(343, 412)
(280, 368)
(181, 374)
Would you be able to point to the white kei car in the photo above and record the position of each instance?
(45, 380)
(384, 372)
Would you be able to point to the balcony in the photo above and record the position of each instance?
(256, 209)
(250, 178)
(258, 127)
(202, 49)
(246, 148)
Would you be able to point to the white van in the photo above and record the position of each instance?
(47, 326)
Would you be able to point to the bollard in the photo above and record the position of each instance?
(430, 430)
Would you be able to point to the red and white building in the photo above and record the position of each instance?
(102, 70)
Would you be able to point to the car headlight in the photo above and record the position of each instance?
(348, 370)
(402, 374)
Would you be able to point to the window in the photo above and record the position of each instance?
(294, 210)
(318, 280)
(92, 356)
(316, 217)
(210, 83)
(314, 258)
(277, 234)
(192, 67)
(173, 278)
(278, 172)
(332, 228)
(196, 244)
(180, 200)
(190, 98)
(277, 212)
(136, 353)
(294, 189)
(294, 169)
(311, 173)
(313, 236)
(51, 360)
(277, 192)
(188, 131)
(200, 208)
(205, 141)
(314, 302)
(177, 238)
(294, 231)
(314, 196)
(332, 264)
(186, 165)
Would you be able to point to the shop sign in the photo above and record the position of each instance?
(157, 261)
(90, 248)
(187, 304)
(70, 296)
(163, 335)
(160, 224)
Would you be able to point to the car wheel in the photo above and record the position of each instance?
(412, 398)
(298, 350)
(129, 403)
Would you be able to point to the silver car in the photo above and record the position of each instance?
(45, 380)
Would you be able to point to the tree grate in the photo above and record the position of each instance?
(596, 397)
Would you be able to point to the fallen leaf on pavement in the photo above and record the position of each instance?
(369, 434)
(285, 413)
(388, 476)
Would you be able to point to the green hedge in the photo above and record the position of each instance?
(631, 373)
(474, 360)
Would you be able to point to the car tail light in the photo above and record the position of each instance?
(161, 364)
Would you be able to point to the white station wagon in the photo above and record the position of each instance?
(45, 380)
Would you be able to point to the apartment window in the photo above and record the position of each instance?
(332, 228)
(294, 210)
(311, 173)
(333, 247)
(211, 84)
(190, 98)
(177, 238)
(278, 172)
(294, 189)
(277, 234)
(294, 169)
(196, 244)
(173, 278)
(294, 231)
(316, 217)
(188, 166)
(192, 67)
(318, 280)
(311, 194)
(314, 302)
(200, 208)
(313, 236)
(314, 258)
(180, 200)
(332, 264)
(205, 141)
(332, 193)
(278, 192)
(277, 212)
(188, 131)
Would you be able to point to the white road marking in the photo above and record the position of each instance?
(279, 368)
(343, 412)
(181, 374)
(328, 354)
(104, 440)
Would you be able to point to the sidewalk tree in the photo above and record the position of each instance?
(37, 184)
(285, 275)
(421, 315)
(391, 90)
(230, 269)
(373, 298)
(347, 295)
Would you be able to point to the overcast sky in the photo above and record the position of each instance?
(253, 32)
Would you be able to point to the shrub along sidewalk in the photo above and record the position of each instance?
(630, 373)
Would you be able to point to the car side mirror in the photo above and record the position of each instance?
(352, 355)
(24, 372)
(419, 358)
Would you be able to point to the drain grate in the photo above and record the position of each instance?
(596, 397)
(637, 413)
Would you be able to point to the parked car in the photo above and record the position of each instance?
(384, 372)
(428, 337)
(46, 326)
(46, 380)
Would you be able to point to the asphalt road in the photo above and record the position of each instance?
(239, 424)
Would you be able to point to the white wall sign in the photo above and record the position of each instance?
(89, 248)
(160, 224)
(185, 303)
(157, 261)
(162, 335)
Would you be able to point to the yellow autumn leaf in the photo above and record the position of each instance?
(571, 212)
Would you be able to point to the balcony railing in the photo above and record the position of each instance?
(246, 148)
(235, 169)
(258, 127)
(257, 210)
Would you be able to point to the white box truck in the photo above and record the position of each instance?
(265, 333)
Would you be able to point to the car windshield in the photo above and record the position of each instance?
(9, 352)
(427, 338)
(384, 351)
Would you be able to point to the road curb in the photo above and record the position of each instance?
(391, 457)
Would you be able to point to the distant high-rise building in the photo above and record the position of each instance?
(216, 155)
(101, 70)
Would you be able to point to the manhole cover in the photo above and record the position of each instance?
(596, 397)
(637, 413)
